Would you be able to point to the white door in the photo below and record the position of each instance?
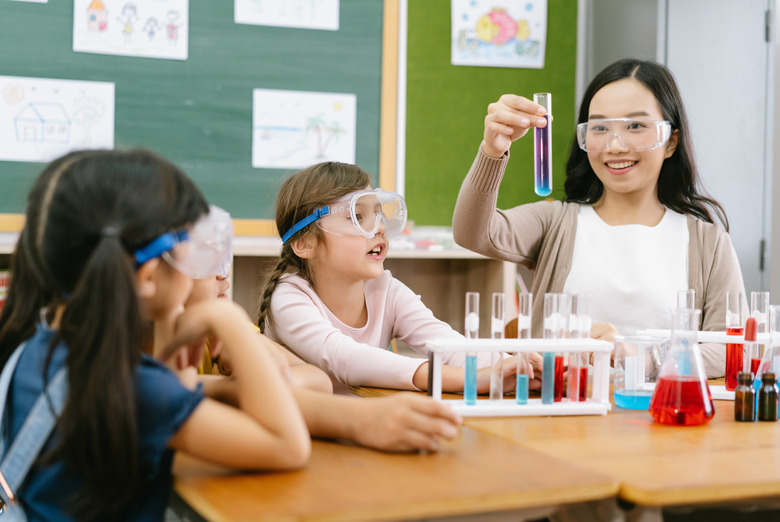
(720, 54)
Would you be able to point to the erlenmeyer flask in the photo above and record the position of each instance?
(682, 396)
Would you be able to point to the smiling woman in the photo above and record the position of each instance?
(635, 226)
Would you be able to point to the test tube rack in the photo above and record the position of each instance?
(597, 404)
(717, 391)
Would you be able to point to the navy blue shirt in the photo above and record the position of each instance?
(163, 403)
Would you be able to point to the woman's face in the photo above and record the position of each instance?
(623, 171)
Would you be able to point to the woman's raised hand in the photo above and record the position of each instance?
(507, 120)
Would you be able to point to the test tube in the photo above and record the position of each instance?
(774, 327)
(525, 307)
(496, 356)
(735, 325)
(579, 328)
(472, 332)
(543, 148)
(759, 308)
(686, 299)
(552, 364)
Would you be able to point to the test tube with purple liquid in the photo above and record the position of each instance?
(543, 148)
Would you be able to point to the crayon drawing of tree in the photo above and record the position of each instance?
(325, 133)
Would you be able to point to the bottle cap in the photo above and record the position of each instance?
(768, 377)
(744, 377)
(751, 328)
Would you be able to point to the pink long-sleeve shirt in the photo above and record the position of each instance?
(359, 356)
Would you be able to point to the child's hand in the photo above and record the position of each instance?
(507, 120)
(508, 372)
(405, 422)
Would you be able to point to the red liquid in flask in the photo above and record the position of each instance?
(680, 401)
(558, 378)
(583, 383)
(733, 359)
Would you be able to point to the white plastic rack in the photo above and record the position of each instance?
(596, 404)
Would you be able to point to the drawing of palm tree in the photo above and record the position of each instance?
(326, 133)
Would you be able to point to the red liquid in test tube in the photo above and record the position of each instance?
(733, 359)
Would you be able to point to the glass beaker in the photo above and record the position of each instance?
(682, 396)
(638, 361)
(759, 309)
(736, 314)
(770, 361)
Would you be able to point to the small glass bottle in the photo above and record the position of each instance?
(768, 398)
(744, 398)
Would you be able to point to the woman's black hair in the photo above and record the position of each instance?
(86, 214)
(679, 186)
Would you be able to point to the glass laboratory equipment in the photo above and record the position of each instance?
(525, 307)
(579, 328)
(682, 396)
(768, 398)
(736, 314)
(496, 356)
(556, 312)
(686, 298)
(638, 361)
(543, 148)
(759, 310)
(471, 327)
(770, 361)
(744, 398)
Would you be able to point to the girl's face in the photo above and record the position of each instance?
(623, 171)
(350, 258)
(171, 289)
(209, 288)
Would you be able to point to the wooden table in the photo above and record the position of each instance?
(658, 465)
(476, 473)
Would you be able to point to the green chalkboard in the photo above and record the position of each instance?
(446, 106)
(198, 112)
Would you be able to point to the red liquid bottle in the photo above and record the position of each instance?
(733, 359)
(682, 396)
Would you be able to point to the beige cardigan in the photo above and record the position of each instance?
(540, 236)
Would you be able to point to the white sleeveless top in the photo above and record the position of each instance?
(632, 272)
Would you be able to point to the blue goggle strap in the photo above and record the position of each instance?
(308, 220)
(161, 244)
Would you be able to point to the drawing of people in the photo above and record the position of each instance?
(128, 18)
(172, 26)
(151, 27)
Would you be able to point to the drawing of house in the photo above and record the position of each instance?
(42, 122)
(97, 16)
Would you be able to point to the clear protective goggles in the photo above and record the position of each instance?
(632, 134)
(358, 213)
(203, 251)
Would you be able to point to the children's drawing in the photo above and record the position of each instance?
(35, 1)
(293, 129)
(147, 28)
(41, 118)
(306, 14)
(499, 33)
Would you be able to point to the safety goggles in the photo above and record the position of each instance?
(634, 135)
(203, 251)
(359, 213)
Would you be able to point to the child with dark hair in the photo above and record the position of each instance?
(103, 253)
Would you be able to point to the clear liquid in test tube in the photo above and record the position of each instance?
(496, 357)
(472, 332)
(543, 148)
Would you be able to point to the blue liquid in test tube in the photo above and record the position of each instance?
(470, 386)
(521, 390)
(543, 148)
(548, 378)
